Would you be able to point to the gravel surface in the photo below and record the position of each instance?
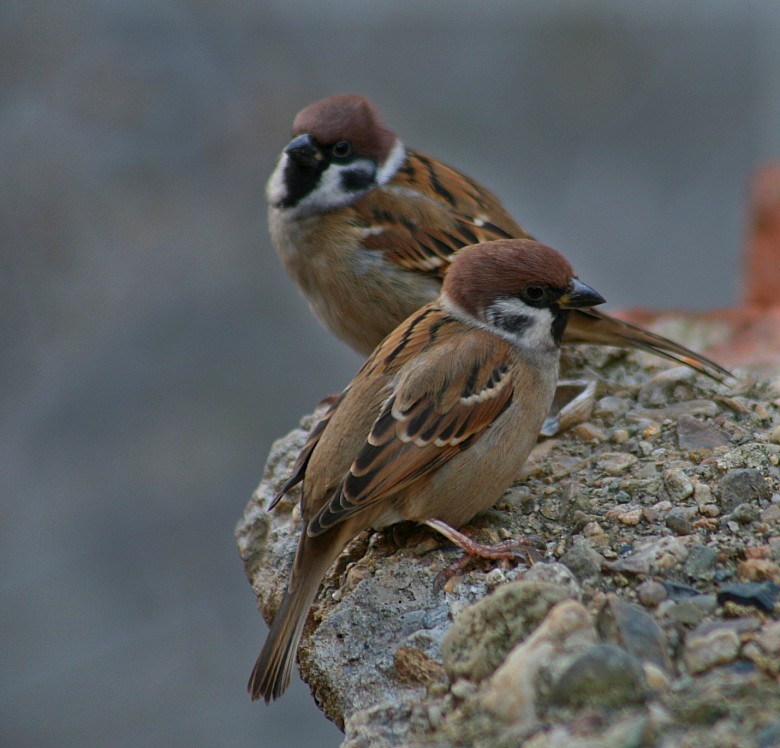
(648, 615)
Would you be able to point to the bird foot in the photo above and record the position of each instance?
(503, 551)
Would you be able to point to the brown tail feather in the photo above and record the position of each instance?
(593, 326)
(273, 669)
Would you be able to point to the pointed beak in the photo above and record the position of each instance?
(304, 151)
(579, 295)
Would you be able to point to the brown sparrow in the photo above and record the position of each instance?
(368, 228)
(437, 423)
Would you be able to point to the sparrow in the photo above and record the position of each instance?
(437, 423)
(368, 229)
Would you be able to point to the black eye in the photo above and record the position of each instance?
(342, 150)
(535, 293)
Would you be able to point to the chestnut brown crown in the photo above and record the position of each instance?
(504, 268)
(347, 117)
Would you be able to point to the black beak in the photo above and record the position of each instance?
(304, 151)
(579, 295)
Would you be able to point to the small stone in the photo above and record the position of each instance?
(677, 591)
(413, 666)
(657, 679)
(652, 555)
(583, 562)
(557, 574)
(651, 593)
(610, 408)
(674, 411)
(603, 676)
(693, 434)
(705, 651)
(771, 515)
(588, 432)
(745, 514)
(742, 486)
(615, 463)
(769, 638)
(634, 630)
(511, 691)
(677, 484)
(482, 635)
(678, 521)
(494, 578)
(620, 436)
(774, 436)
(701, 494)
(759, 570)
(631, 517)
(700, 563)
(666, 386)
(690, 612)
(762, 596)
(461, 689)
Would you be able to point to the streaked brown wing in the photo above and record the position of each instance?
(433, 414)
(450, 211)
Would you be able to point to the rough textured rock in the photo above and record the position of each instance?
(676, 510)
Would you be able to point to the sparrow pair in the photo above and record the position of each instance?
(440, 419)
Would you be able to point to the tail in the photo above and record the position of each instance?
(273, 670)
(594, 326)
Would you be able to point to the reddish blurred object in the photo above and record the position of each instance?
(747, 336)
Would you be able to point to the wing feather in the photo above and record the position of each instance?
(423, 424)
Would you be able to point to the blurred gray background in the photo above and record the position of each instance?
(152, 348)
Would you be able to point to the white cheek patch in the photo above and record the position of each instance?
(275, 189)
(392, 163)
(536, 333)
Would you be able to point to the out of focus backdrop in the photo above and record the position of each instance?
(152, 347)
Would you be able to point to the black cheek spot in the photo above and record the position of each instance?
(356, 180)
(560, 318)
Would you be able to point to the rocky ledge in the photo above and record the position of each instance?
(649, 616)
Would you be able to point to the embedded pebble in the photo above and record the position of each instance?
(700, 563)
(631, 516)
(691, 611)
(610, 407)
(745, 513)
(674, 411)
(582, 560)
(705, 651)
(603, 675)
(677, 591)
(694, 434)
(615, 463)
(634, 630)
(670, 384)
(651, 593)
(759, 570)
(678, 521)
(620, 436)
(762, 596)
(771, 514)
(588, 432)
(554, 573)
(511, 691)
(677, 484)
(743, 485)
(482, 635)
(653, 554)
